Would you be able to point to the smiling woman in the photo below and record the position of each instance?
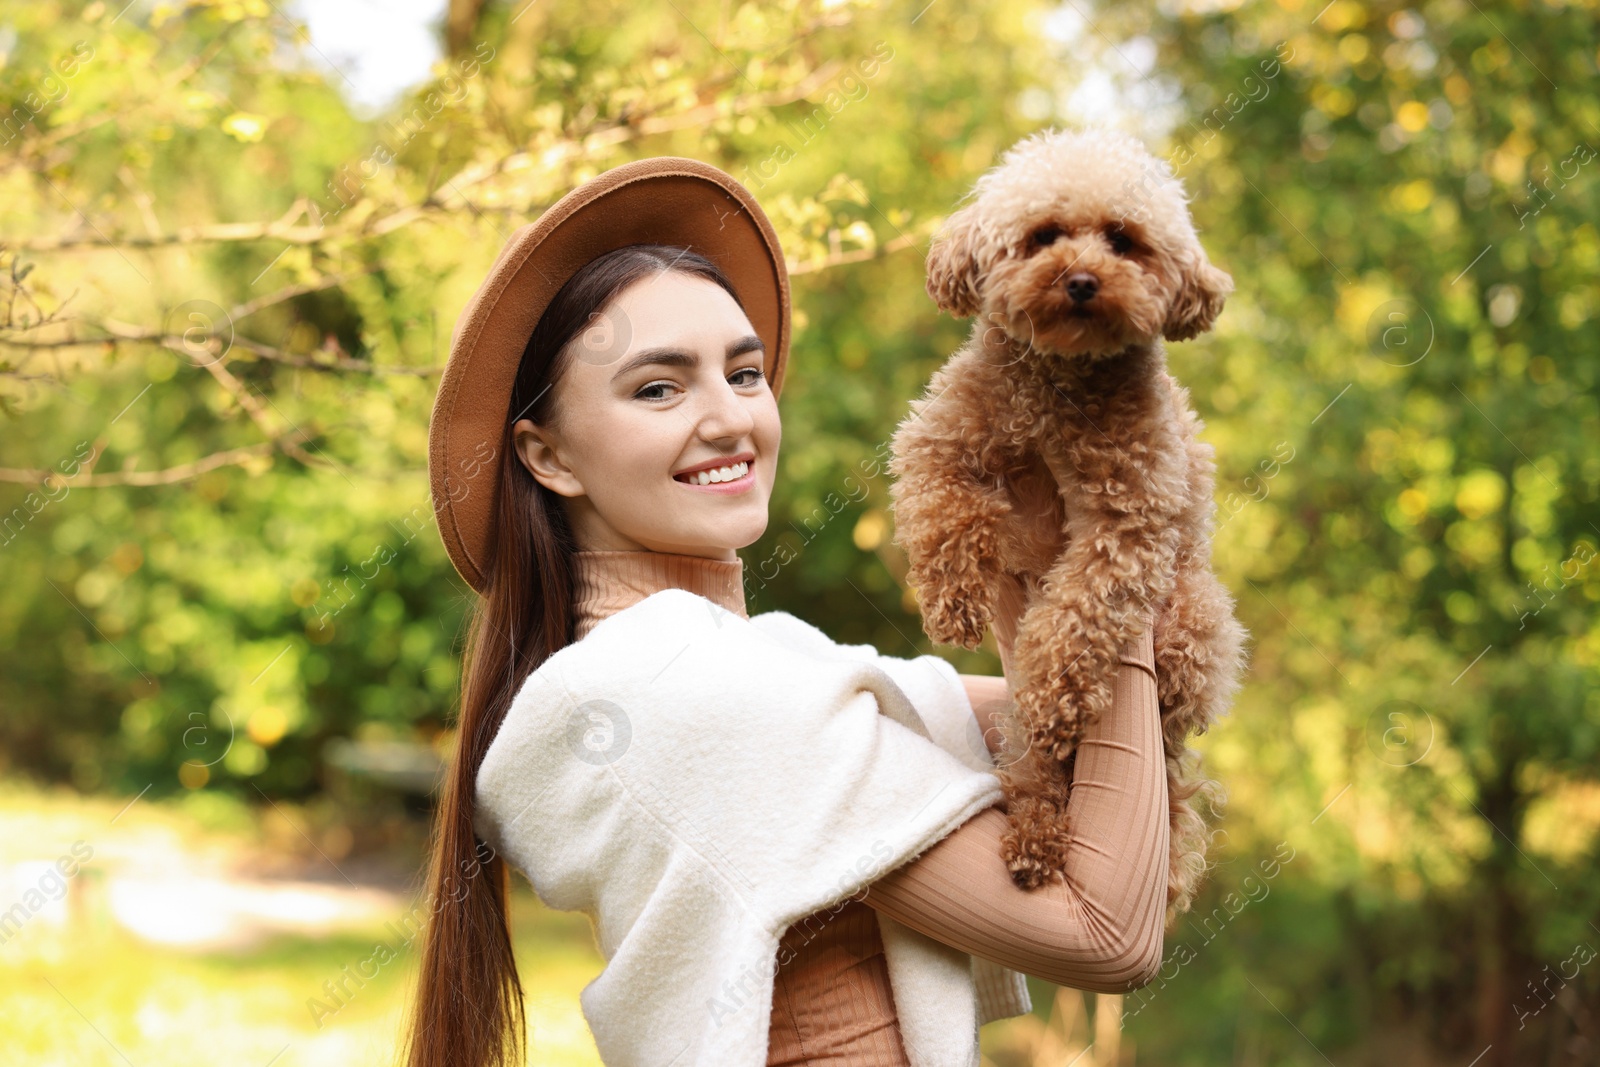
(675, 447)
(645, 363)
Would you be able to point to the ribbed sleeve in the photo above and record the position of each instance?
(1101, 928)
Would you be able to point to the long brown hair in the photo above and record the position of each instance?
(468, 1010)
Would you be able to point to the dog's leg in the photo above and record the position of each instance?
(948, 508)
(1116, 569)
(1199, 653)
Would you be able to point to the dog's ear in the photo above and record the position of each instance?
(953, 266)
(1202, 289)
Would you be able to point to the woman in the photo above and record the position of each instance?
(645, 365)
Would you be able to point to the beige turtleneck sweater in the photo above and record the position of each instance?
(610, 580)
(1099, 929)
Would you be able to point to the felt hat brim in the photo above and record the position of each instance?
(662, 200)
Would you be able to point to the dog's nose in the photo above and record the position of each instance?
(1082, 287)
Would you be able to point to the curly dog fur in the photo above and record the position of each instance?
(1078, 256)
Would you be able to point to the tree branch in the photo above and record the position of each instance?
(211, 343)
(166, 476)
(860, 255)
(287, 228)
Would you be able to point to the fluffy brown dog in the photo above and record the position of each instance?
(1078, 254)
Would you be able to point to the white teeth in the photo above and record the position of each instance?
(718, 474)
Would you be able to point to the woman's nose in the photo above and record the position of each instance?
(725, 414)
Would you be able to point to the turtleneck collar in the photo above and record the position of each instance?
(612, 579)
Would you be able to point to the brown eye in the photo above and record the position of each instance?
(1120, 242)
(1044, 235)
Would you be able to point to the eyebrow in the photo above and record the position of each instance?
(679, 357)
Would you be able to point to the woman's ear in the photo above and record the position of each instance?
(953, 266)
(1202, 289)
(536, 451)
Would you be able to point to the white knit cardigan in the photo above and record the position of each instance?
(696, 782)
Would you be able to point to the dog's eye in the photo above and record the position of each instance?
(1120, 242)
(1044, 235)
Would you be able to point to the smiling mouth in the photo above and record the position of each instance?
(731, 473)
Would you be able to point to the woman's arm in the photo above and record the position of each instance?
(987, 693)
(1100, 929)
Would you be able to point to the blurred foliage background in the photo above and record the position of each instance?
(229, 293)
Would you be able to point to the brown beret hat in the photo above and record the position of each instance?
(662, 200)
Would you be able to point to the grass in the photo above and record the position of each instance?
(108, 999)
(82, 990)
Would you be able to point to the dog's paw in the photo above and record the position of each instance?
(955, 621)
(1026, 870)
(955, 611)
(1035, 841)
(1027, 875)
(1039, 855)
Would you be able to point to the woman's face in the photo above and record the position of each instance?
(667, 377)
